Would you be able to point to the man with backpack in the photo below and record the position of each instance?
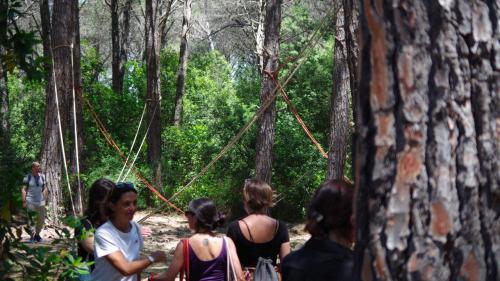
(34, 194)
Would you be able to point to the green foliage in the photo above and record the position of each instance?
(56, 261)
(27, 100)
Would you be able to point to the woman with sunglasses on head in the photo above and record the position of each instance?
(118, 242)
(93, 218)
(258, 234)
(328, 254)
(208, 257)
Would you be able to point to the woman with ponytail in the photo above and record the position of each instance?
(204, 256)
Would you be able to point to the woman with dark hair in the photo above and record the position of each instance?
(118, 242)
(204, 255)
(328, 254)
(258, 234)
(93, 218)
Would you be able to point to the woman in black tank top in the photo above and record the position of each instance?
(258, 234)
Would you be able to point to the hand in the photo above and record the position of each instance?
(146, 231)
(159, 256)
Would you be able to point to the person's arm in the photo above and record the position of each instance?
(235, 260)
(284, 250)
(174, 268)
(23, 195)
(88, 244)
(45, 193)
(126, 268)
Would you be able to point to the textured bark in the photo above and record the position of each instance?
(183, 63)
(339, 105)
(351, 28)
(120, 30)
(117, 80)
(77, 81)
(163, 26)
(56, 36)
(428, 197)
(153, 93)
(259, 34)
(265, 137)
(4, 93)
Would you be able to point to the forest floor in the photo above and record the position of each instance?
(167, 230)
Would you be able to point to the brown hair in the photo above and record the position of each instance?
(258, 196)
(331, 210)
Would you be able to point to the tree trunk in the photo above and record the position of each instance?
(265, 137)
(428, 189)
(183, 60)
(259, 34)
(125, 41)
(4, 91)
(153, 93)
(117, 81)
(76, 151)
(351, 29)
(51, 159)
(339, 108)
(163, 27)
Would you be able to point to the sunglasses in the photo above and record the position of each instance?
(129, 185)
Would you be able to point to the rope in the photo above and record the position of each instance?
(298, 62)
(113, 144)
(76, 132)
(61, 139)
(133, 142)
(143, 139)
(297, 115)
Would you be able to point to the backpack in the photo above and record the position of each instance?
(42, 178)
(265, 271)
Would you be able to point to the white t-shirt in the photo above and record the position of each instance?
(108, 239)
(35, 186)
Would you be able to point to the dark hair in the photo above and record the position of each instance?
(98, 193)
(258, 196)
(331, 209)
(207, 217)
(119, 189)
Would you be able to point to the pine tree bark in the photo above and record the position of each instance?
(339, 105)
(56, 36)
(4, 91)
(117, 81)
(120, 31)
(153, 93)
(428, 189)
(265, 137)
(183, 62)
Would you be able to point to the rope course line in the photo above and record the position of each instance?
(61, 138)
(76, 131)
(297, 115)
(298, 62)
(133, 142)
(142, 142)
(113, 144)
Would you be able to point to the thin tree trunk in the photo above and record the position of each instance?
(77, 81)
(153, 93)
(125, 41)
(4, 91)
(183, 61)
(51, 159)
(339, 110)
(265, 137)
(163, 27)
(428, 183)
(117, 83)
(259, 34)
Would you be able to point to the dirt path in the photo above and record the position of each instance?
(167, 230)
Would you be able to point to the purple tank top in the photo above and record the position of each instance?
(212, 270)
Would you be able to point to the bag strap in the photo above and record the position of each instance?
(230, 265)
(185, 254)
(248, 228)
